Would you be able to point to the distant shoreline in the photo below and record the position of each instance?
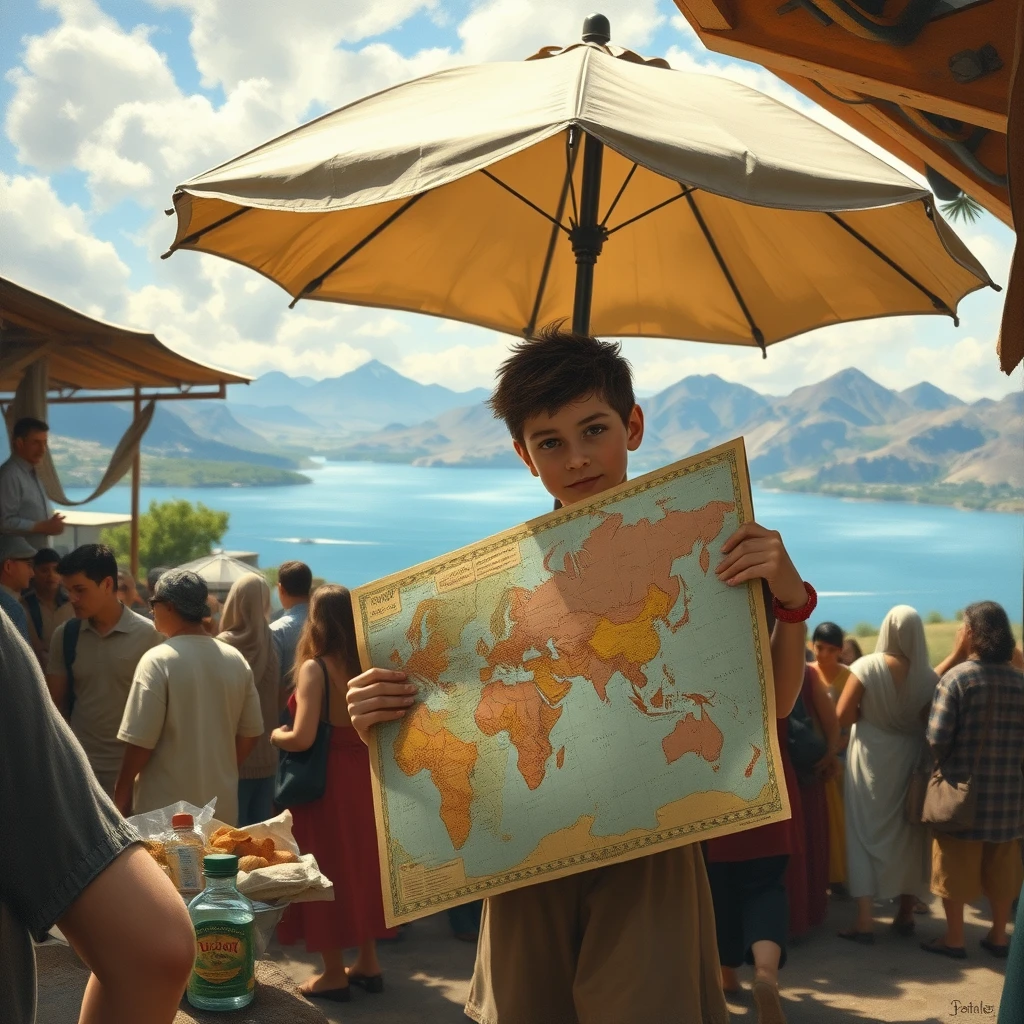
(967, 497)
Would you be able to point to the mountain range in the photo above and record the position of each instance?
(847, 433)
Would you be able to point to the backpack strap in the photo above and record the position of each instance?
(327, 690)
(72, 628)
(35, 613)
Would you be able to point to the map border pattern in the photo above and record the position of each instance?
(774, 808)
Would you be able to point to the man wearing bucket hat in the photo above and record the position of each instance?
(16, 571)
(193, 713)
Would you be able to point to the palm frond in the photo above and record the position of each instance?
(963, 208)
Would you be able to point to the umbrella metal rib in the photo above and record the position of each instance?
(755, 331)
(570, 166)
(364, 241)
(557, 221)
(196, 235)
(936, 302)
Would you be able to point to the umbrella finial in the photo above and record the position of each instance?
(597, 29)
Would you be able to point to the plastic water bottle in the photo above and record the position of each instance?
(223, 976)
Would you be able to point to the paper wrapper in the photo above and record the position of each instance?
(300, 882)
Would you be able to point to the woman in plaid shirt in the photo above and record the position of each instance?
(980, 691)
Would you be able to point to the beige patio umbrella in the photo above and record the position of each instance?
(638, 200)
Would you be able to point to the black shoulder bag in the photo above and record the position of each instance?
(302, 775)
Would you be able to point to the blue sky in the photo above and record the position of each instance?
(108, 105)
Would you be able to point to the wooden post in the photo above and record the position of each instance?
(136, 482)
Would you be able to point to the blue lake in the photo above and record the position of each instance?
(359, 521)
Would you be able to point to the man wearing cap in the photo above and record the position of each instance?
(89, 678)
(16, 556)
(193, 713)
(25, 509)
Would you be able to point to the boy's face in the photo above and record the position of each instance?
(582, 449)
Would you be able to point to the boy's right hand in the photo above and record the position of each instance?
(378, 695)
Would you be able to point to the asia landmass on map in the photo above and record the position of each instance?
(589, 692)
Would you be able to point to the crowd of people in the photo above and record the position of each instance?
(143, 694)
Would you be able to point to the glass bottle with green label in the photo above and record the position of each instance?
(223, 976)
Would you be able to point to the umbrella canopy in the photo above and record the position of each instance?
(219, 570)
(712, 212)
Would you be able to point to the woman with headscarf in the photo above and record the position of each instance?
(827, 642)
(245, 625)
(883, 704)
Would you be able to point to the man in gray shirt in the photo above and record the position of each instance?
(294, 582)
(24, 506)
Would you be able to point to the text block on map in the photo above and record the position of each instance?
(589, 692)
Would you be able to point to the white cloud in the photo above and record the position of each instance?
(49, 246)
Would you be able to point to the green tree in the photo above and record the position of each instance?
(863, 629)
(170, 533)
(934, 618)
(963, 208)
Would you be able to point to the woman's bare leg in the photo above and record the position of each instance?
(366, 960)
(131, 929)
(333, 975)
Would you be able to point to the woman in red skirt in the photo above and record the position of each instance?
(338, 829)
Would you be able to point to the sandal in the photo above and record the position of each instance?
(938, 946)
(864, 938)
(372, 983)
(769, 1007)
(335, 995)
(904, 928)
(999, 952)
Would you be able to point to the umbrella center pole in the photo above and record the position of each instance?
(587, 237)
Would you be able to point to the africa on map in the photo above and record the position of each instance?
(589, 692)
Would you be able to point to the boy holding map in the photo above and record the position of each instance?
(633, 941)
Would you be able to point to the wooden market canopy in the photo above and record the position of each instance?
(90, 355)
(90, 360)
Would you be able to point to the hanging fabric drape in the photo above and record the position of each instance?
(30, 400)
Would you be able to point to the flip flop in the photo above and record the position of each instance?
(372, 983)
(863, 938)
(335, 995)
(999, 952)
(938, 946)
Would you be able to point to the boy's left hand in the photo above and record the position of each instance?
(752, 553)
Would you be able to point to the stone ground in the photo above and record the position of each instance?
(827, 980)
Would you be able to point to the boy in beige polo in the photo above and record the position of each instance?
(631, 942)
(111, 640)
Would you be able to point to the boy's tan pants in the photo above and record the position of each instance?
(629, 943)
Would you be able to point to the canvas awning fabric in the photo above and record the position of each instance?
(84, 353)
(731, 217)
(46, 346)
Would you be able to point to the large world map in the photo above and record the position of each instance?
(589, 691)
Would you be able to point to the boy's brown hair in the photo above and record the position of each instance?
(556, 368)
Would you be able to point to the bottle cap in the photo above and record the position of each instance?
(182, 821)
(220, 865)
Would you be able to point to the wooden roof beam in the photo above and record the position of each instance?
(917, 75)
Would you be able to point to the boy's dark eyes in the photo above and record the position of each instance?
(548, 443)
(595, 428)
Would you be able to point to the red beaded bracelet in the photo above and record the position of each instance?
(796, 614)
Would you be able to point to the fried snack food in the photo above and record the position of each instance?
(255, 848)
(282, 857)
(251, 863)
(157, 851)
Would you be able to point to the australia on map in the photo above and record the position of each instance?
(589, 692)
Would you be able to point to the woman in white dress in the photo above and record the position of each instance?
(885, 703)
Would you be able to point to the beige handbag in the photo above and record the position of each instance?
(951, 807)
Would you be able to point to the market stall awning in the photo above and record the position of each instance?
(87, 354)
